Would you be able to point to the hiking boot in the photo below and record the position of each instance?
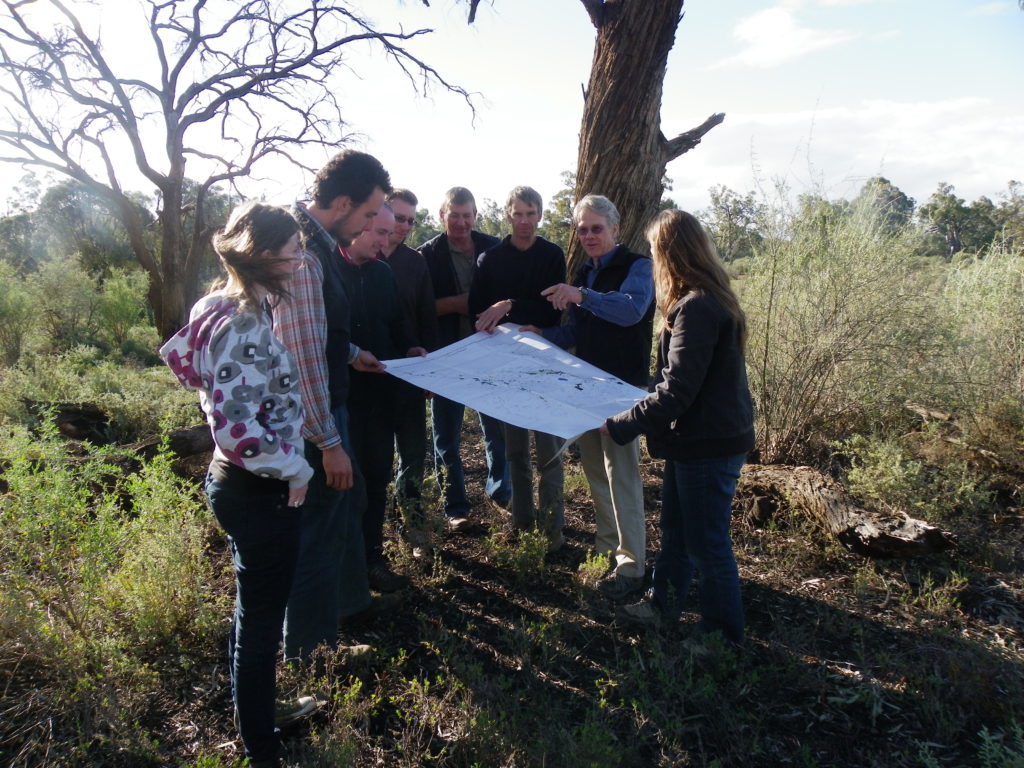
(617, 587)
(383, 579)
(291, 711)
(420, 542)
(642, 614)
(380, 605)
(555, 541)
(460, 524)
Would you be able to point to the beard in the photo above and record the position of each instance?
(339, 234)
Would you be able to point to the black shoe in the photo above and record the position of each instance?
(617, 587)
(383, 579)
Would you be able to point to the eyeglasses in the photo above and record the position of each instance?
(405, 219)
(597, 229)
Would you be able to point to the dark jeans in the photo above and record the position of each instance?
(371, 427)
(330, 577)
(411, 443)
(264, 536)
(447, 416)
(696, 510)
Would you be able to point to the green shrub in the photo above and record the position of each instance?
(840, 326)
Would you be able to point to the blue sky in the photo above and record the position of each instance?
(819, 95)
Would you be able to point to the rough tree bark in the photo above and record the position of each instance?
(623, 152)
(763, 489)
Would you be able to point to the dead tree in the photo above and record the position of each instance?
(765, 489)
(233, 85)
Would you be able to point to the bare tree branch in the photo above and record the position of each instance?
(260, 74)
(686, 141)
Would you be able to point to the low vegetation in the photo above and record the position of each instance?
(899, 373)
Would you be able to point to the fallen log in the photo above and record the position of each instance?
(764, 489)
(183, 443)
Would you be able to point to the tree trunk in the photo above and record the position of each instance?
(764, 489)
(622, 151)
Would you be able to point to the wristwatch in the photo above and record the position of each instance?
(583, 296)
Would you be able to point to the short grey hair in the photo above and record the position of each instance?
(600, 205)
(527, 195)
(457, 196)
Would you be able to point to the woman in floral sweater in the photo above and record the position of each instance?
(258, 476)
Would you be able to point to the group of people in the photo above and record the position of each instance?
(285, 356)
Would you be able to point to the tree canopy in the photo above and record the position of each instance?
(224, 87)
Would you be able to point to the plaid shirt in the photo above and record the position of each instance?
(301, 323)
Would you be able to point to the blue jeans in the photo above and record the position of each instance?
(264, 536)
(330, 578)
(411, 444)
(696, 510)
(446, 417)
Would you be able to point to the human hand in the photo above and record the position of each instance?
(493, 315)
(338, 468)
(416, 352)
(562, 295)
(367, 362)
(297, 496)
(529, 329)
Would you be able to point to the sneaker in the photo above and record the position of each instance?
(617, 587)
(460, 524)
(642, 613)
(383, 579)
(292, 710)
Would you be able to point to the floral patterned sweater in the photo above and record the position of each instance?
(245, 381)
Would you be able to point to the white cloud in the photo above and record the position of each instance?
(774, 36)
(992, 9)
(967, 142)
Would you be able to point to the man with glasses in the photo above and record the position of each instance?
(410, 403)
(451, 259)
(611, 316)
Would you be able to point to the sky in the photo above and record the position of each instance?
(819, 95)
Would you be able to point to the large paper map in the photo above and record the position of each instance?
(520, 379)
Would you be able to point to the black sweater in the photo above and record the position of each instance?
(505, 272)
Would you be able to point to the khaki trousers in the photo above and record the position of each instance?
(613, 473)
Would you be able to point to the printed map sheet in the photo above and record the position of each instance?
(520, 379)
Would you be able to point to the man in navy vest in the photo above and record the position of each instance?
(330, 578)
(611, 316)
(451, 258)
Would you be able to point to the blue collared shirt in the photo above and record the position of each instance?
(626, 306)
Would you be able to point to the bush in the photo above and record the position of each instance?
(840, 322)
(94, 572)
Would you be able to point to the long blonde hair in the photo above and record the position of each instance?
(685, 260)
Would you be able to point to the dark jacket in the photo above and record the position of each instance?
(376, 317)
(438, 256)
(699, 406)
(417, 294)
(623, 351)
(505, 272)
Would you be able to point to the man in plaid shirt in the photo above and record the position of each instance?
(330, 579)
